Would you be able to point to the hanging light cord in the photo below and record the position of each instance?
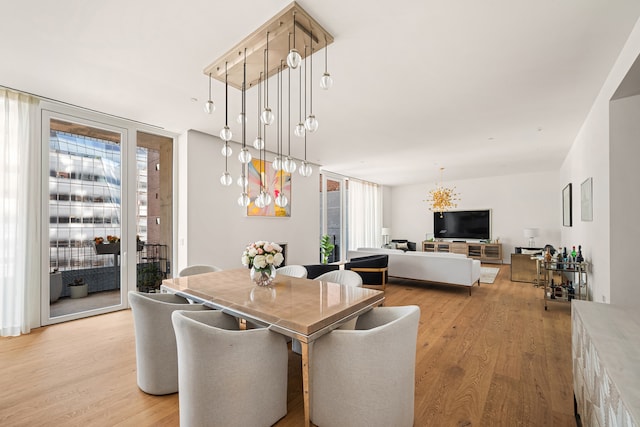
(326, 48)
(310, 76)
(289, 99)
(244, 100)
(209, 86)
(266, 77)
(226, 96)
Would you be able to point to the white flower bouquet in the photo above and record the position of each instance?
(261, 255)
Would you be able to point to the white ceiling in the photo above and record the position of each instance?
(482, 88)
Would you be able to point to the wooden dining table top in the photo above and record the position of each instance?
(294, 306)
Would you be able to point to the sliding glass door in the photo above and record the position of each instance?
(83, 222)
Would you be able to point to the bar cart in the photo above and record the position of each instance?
(563, 281)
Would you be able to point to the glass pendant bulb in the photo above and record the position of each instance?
(242, 181)
(326, 81)
(294, 59)
(258, 143)
(267, 117)
(305, 169)
(244, 200)
(311, 123)
(209, 107)
(240, 118)
(226, 179)
(277, 163)
(266, 198)
(225, 133)
(282, 200)
(290, 165)
(259, 201)
(226, 150)
(299, 130)
(244, 156)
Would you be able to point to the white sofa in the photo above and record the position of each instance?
(455, 269)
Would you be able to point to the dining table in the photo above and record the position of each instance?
(303, 309)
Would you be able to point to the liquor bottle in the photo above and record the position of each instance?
(573, 254)
(571, 291)
(579, 257)
(559, 262)
(553, 290)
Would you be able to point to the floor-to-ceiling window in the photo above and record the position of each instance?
(350, 213)
(333, 196)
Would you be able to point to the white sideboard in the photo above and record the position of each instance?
(606, 363)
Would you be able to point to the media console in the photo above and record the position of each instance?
(485, 252)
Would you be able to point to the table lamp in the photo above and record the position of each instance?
(386, 232)
(531, 234)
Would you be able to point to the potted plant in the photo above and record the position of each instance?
(111, 246)
(149, 277)
(78, 288)
(326, 248)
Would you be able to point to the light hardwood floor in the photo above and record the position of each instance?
(495, 358)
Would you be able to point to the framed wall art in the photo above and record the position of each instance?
(275, 182)
(586, 200)
(566, 206)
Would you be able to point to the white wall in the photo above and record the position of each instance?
(589, 157)
(516, 202)
(624, 152)
(213, 229)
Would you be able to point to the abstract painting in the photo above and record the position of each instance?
(274, 183)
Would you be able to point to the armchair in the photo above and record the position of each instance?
(373, 269)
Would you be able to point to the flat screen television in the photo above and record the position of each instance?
(462, 225)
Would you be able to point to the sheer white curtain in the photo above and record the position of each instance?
(19, 172)
(364, 220)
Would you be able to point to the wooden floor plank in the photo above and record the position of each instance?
(493, 358)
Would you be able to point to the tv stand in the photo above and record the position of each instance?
(485, 252)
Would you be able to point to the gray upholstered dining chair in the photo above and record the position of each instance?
(198, 269)
(293, 271)
(227, 376)
(156, 355)
(344, 277)
(346, 392)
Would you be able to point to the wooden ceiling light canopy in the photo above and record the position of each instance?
(280, 29)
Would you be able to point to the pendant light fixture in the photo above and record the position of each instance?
(290, 164)
(442, 198)
(293, 58)
(267, 115)
(227, 69)
(311, 123)
(280, 200)
(209, 106)
(299, 130)
(277, 161)
(305, 168)
(326, 81)
(225, 133)
(258, 143)
(245, 155)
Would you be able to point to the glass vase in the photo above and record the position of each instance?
(263, 276)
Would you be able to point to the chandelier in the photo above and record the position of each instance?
(442, 198)
(282, 43)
